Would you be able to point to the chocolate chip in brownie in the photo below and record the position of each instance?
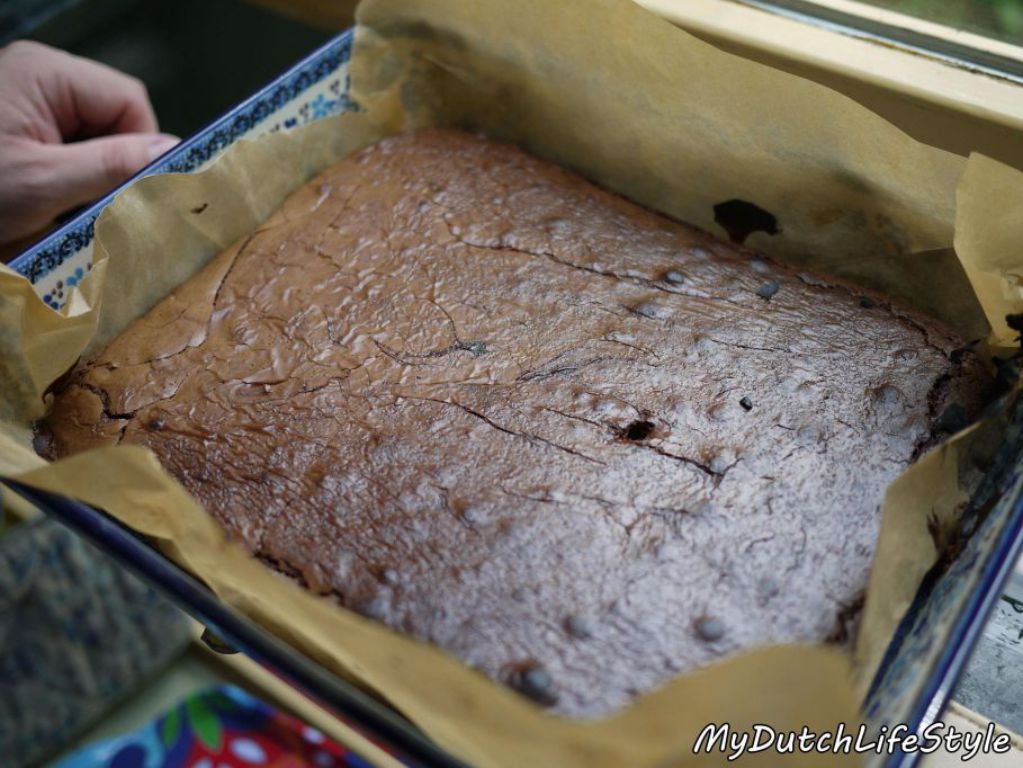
(709, 628)
(674, 277)
(767, 290)
(532, 679)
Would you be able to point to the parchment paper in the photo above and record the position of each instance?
(641, 107)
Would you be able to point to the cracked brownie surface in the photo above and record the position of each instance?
(580, 446)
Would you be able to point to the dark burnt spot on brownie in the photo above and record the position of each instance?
(1015, 322)
(710, 629)
(637, 431)
(953, 419)
(867, 303)
(746, 403)
(741, 218)
(768, 290)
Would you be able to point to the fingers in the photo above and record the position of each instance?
(107, 101)
(47, 98)
(89, 169)
(83, 97)
(45, 180)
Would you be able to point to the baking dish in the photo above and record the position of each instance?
(927, 654)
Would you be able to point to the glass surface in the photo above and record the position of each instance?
(998, 19)
(982, 35)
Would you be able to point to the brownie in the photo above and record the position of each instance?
(580, 446)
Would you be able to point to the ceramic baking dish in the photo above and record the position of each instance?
(923, 662)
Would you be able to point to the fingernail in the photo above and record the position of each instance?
(161, 145)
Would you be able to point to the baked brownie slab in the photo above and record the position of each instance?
(580, 446)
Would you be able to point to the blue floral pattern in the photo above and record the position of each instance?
(222, 727)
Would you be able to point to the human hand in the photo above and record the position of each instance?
(71, 129)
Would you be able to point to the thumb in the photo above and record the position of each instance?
(90, 169)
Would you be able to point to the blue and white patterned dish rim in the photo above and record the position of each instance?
(935, 639)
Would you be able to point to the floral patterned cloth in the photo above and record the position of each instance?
(219, 728)
(78, 634)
